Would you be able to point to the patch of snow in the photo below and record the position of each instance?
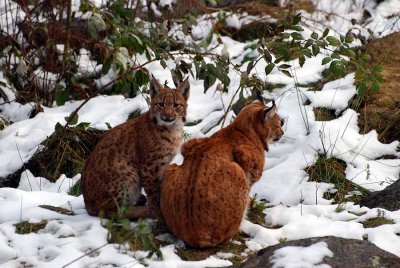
(311, 256)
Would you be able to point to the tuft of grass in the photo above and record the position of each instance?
(58, 210)
(25, 227)
(61, 155)
(75, 190)
(331, 170)
(4, 123)
(377, 221)
(324, 114)
(236, 246)
(134, 114)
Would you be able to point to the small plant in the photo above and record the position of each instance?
(138, 237)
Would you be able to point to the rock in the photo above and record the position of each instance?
(347, 253)
(388, 198)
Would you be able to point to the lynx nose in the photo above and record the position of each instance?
(168, 118)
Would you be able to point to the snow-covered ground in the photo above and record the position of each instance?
(298, 205)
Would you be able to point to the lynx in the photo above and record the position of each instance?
(204, 200)
(134, 154)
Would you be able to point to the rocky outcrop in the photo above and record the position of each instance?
(347, 253)
(388, 198)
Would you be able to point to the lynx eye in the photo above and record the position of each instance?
(161, 104)
(282, 122)
(176, 105)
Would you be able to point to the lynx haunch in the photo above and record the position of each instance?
(204, 200)
(134, 154)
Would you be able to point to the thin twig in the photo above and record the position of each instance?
(86, 254)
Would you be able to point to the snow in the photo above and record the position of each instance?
(299, 209)
(310, 256)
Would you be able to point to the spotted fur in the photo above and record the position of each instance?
(134, 154)
(204, 200)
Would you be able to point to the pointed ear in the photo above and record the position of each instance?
(155, 86)
(184, 88)
(269, 112)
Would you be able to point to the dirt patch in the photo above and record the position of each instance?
(381, 111)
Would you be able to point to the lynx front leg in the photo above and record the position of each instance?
(151, 185)
(250, 160)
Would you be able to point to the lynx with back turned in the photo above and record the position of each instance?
(134, 154)
(203, 201)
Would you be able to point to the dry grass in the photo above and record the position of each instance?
(375, 222)
(323, 114)
(58, 210)
(26, 227)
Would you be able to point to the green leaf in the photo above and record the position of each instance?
(335, 55)
(349, 38)
(326, 60)
(336, 68)
(73, 121)
(296, 36)
(309, 43)
(326, 32)
(95, 25)
(297, 18)
(375, 87)
(351, 53)
(332, 41)
(297, 28)
(267, 55)
(314, 36)
(366, 57)
(61, 97)
(269, 68)
(284, 66)
(315, 49)
(378, 68)
(361, 87)
(285, 72)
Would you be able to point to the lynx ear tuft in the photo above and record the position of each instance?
(259, 96)
(155, 86)
(269, 112)
(184, 87)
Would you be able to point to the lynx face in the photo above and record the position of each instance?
(168, 106)
(271, 126)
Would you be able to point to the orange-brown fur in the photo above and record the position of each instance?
(134, 154)
(203, 201)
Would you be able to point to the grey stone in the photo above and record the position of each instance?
(347, 253)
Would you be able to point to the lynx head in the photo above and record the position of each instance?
(265, 121)
(168, 106)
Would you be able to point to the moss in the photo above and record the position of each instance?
(236, 247)
(331, 170)
(375, 222)
(26, 227)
